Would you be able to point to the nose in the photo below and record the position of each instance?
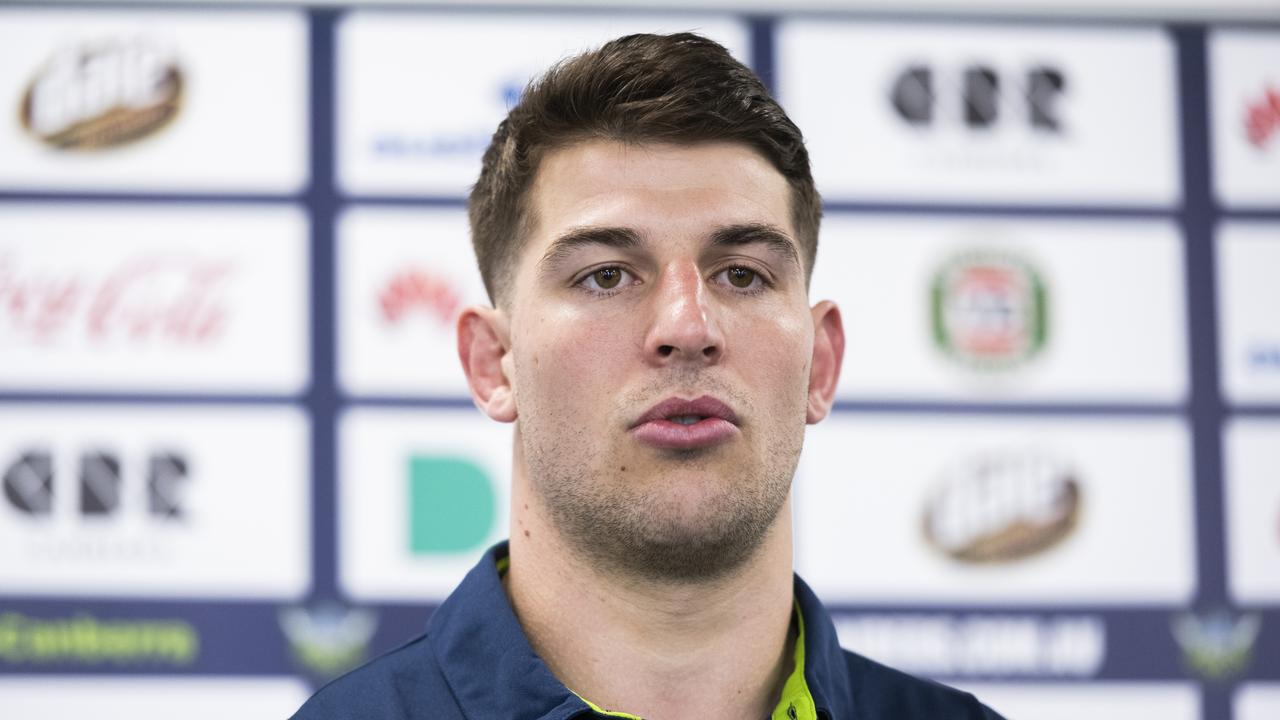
(684, 328)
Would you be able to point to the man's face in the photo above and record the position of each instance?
(660, 351)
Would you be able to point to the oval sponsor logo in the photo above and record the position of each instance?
(102, 95)
(989, 310)
(1003, 507)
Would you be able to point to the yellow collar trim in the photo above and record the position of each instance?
(606, 713)
(796, 702)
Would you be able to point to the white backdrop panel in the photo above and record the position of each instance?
(870, 485)
(1251, 452)
(241, 112)
(404, 275)
(1244, 90)
(1248, 263)
(399, 472)
(1111, 314)
(420, 95)
(1097, 701)
(150, 501)
(150, 698)
(884, 108)
(152, 298)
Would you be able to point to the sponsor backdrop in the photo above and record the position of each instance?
(238, 456)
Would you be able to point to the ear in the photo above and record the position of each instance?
(828, 354)
(484, 340)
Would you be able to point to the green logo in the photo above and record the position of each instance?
(328, 639)
(86, 640)
(1217, 644)
(989, 310)
(451, 505)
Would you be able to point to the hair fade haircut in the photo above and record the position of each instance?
(681, 89)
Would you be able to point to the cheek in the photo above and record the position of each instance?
(780, 352)
(568, 359)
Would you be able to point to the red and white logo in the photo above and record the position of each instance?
(1262, 118)
(126, 298)
(418, 291)
(403, 278)
(142, 299)
(1244, 95)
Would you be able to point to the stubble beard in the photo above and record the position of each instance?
(634, 523)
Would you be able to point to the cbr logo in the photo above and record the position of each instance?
(979, 95)
(30, 482)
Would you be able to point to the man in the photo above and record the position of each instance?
(646, 224)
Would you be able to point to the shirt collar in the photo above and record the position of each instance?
(485, 656)
(825, 667)
(494, 672)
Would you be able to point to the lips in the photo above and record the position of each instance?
(678, 424)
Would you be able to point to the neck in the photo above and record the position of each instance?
(715, 649)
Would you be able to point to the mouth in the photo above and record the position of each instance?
(679, 424)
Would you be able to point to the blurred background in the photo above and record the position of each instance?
(238, 456)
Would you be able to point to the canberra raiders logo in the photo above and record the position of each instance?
(989, 310)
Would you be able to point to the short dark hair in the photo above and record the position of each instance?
(680, 88)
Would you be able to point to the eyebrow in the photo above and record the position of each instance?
(563, 246)
(625, 239)
(751, 233)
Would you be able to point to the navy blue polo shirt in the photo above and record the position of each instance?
(474, 662)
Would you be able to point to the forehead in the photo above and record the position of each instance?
(659, 190)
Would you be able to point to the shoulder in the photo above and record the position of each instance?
(880, 691)
(404, 684)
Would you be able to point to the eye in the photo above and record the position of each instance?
(740, 276)
(605, 278)
(743, 277)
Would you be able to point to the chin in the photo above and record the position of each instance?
(688, 554)
(687, 536)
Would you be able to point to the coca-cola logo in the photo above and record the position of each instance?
(170, 298)
(1262, 118)
(1003, 507)
(102, 95)
(420, 291)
